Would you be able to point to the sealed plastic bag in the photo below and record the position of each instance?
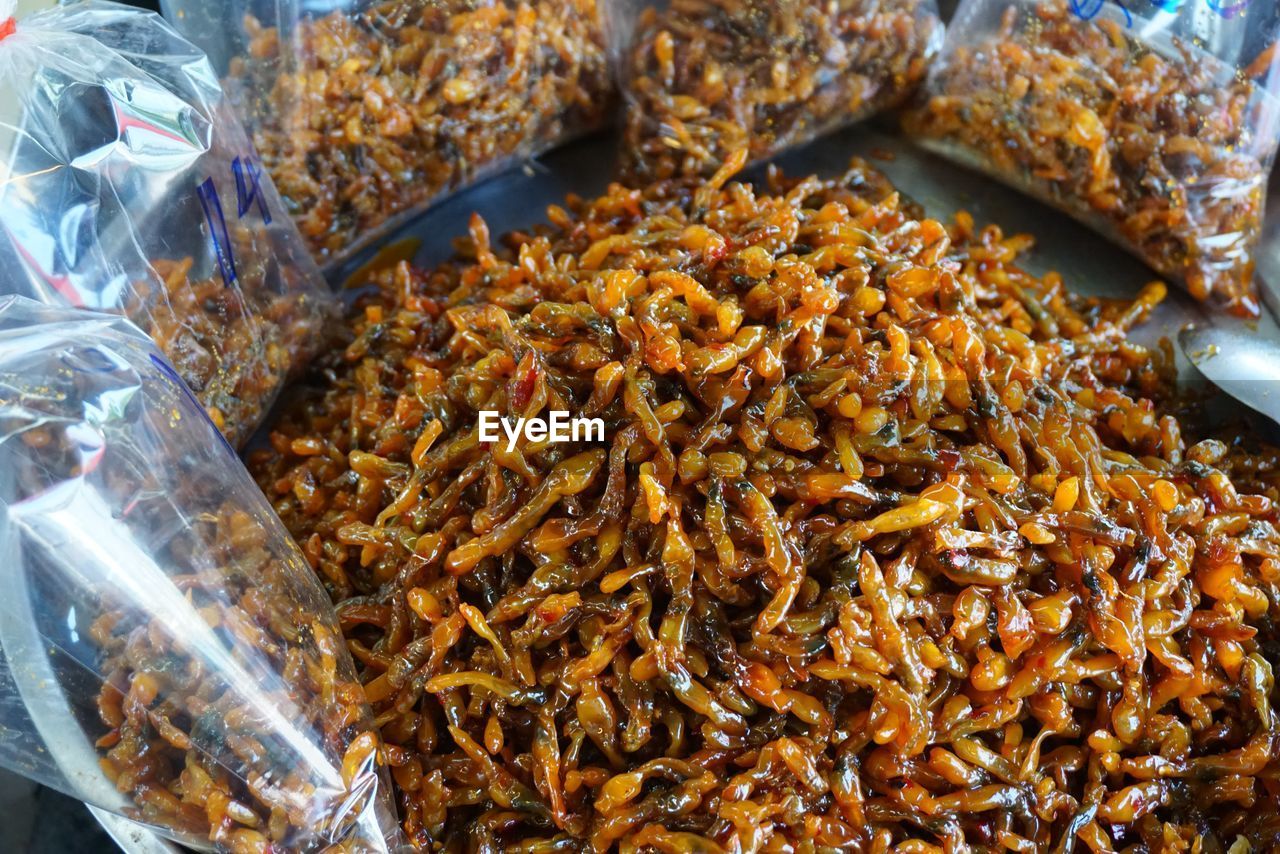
(369, 110)
(128, 185)
(167, 651)
(705, 79)
(1153, 123)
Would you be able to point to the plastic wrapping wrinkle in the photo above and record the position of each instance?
(167, 653)
(152, 127)
(128, 185)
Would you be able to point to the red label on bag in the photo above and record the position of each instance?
(8, 28)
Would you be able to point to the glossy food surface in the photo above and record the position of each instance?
(889, 540)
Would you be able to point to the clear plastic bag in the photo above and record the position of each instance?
(1154, 123)
(366, 111)
(128, 185)
(168, 654)
(705, 79)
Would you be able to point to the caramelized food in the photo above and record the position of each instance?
(890, 541)
(1165, 152)
(705, 78)
(362, 117)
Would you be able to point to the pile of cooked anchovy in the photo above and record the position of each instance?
(890, 544)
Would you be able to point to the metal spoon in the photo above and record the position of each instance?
(1241, 357)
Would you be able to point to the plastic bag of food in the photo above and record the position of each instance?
(168, 654)
(366, 111)
(128, 185)
(1154, 123)
(704, 79)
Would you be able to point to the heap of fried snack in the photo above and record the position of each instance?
(890, 542)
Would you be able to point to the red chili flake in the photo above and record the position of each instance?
(522, 388)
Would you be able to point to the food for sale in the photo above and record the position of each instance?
(166, 653)
(705, 78)
(195, 757)
(364, 116)
(1159, 145)
(130, 186)
(233, 347)
(890, 544)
